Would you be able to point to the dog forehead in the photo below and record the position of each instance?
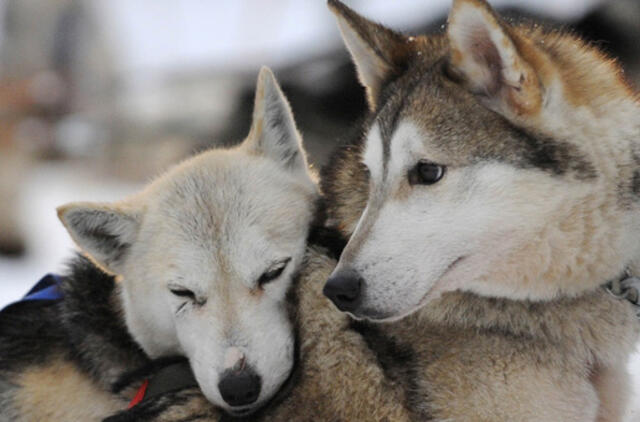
(244, 200)
(224, 195)
(453, 128)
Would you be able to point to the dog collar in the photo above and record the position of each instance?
(626, 287)
(175, 376)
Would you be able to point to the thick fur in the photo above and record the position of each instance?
(66, 361)
(192, 249)
(58, 360)
(338, 378)
(464, 356)
(500, 360)
(177, 270)
(539, 134)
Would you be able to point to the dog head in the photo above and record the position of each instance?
(498, 160)
(206, 255)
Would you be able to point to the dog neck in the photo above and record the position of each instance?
(93, 318)
(573, 322)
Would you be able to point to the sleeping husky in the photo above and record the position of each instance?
(204, 263)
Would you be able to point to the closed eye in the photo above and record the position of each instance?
(273, 272)
(181, 292)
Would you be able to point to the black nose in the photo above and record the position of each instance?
(239, 388)
(344, 290)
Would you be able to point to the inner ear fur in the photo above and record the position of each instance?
(487, 56)
(104, 232)
(378, 52)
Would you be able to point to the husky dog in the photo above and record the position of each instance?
(496, 187)
(337, 376)
(200, 264)
(543, 344)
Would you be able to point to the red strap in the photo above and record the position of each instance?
(139, 395)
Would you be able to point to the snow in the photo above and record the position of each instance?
(51, 185)
(161, 36)
(45, 188)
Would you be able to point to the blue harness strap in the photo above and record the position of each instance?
(48, 288)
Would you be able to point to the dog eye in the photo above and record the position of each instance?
(426, 173)
(180, 292)
(274, 272)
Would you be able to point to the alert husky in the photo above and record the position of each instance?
(496, 187)
(205, 260)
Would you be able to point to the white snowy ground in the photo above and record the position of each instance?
(48, 186)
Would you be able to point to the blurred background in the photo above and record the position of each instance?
(98, 96)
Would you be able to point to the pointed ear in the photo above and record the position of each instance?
(378, 52)
(104, 232)
(273, 130)
(489, 60)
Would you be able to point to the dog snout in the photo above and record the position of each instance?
(240, 388)
(234, 359)
(344, 288)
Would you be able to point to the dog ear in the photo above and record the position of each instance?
(489, 61)
(104, 232)
(378, 52)
(273, 130)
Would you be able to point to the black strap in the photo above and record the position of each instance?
(176, 376)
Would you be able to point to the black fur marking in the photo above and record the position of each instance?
(278, 125)
(387, 120)
(84, 328)
(556, 157)
(635, 162)
(345, 161)
(30, 334)
(291, 157)
(399, 363)
(628, 189)
(463, 128)
(328, 238)
(325, 237)
(97, 336)
(635, 183)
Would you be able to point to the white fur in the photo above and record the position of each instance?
(523, 234)
(213, 225)
(372, 157)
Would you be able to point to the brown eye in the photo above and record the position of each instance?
(426, 173)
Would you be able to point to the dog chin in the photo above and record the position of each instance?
(369, 314)
(242, 411)
(442, 285)
(379, 316)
